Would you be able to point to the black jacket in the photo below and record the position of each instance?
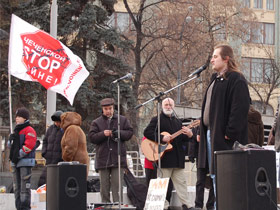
(176, 157)
(51, 149)
(229, 108)
(107, 147)
(193, 145)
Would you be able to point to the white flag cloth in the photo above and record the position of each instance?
(34, 55)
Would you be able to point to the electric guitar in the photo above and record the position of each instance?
(150, 148)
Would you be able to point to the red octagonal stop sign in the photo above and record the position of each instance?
(44, 58)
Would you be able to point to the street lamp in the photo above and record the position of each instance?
(187, 20)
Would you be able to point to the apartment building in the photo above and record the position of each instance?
(261, 48)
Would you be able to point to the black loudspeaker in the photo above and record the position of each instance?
(66, 187)
(246, 180)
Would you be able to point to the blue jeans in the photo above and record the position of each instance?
(209, 156)
(21, 182)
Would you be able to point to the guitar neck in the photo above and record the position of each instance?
(174, 135)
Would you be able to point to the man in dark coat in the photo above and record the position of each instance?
(103, 133)
(51, 149)
(224, 110)
(172, 162)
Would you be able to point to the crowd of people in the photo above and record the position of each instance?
(224, 120)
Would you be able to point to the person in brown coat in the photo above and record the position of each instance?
(73, 143)
(255, 127)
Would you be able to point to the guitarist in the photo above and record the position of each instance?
(172, 162)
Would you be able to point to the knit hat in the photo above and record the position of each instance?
(107, 102)
(22, 112)
(56, 116)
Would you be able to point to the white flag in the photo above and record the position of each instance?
(34, 55)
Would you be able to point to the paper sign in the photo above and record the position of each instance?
(156, 194)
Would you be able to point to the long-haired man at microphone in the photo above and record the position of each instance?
(224, 108)
(103, 133)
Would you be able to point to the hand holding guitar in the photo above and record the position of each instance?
(167, 138)
(187, 131)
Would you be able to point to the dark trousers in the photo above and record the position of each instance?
(109, 179)
(21, 181)
(152, 174)
(200, 185)
(43, 177)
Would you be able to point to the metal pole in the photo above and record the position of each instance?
(119, 149)
(158, 124)
(51, 96)
(180, 67)
(10, 101)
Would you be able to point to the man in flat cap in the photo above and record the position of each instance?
(103, 133)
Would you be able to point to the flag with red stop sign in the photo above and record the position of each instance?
(34, 55)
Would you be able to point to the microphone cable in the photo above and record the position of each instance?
(269, 196)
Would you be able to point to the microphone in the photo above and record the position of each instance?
(199, 70)
(127, 76)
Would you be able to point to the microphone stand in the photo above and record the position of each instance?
(158, 98)
(119, 138)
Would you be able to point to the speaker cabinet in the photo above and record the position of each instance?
(245, 180)
(66, 187)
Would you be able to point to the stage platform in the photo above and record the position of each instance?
(7, 200)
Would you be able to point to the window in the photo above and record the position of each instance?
(246, 3)
(121, 21)
(269, 33)
(258, 105)
(246, 65)
(263, 33)
(267, 67)
(257, 70)
(258, 4)
(270, 4)
(220, 32)
(247, 32)
(256, 34)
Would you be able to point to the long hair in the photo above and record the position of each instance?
(227, 52)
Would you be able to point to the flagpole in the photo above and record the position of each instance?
(10, 84)
(51, 96)
(10, 101)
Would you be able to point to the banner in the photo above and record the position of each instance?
(34, 55)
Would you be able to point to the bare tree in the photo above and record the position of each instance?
(167, 49)
(142, 19)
